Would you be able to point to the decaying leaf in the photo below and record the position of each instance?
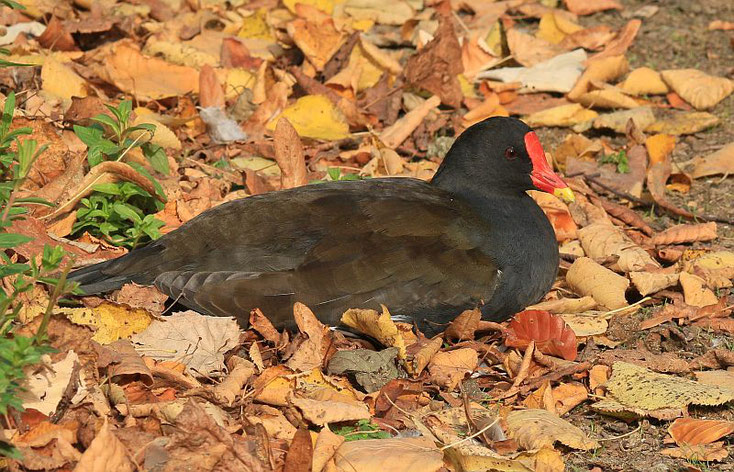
(601, 240)
(641, 388)
(564, 115)
(378, 325)
(550, 333)
(644, 81)
(533, 429)
(105, 453)
(695, 291)
(686, 233)
(719, 162)
(651, 282)
(587, 277)
(447, 369)
(701, 90)
(393, 454)
(694, 431)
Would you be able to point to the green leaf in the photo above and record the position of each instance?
(7, 114)
(110, 188)
(128, 212)
(8, 240)
(90, 135)
(12, 269)
(109, 121)
(158, 188)
(157, 157)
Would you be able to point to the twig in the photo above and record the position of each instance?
(68, 394)
(614, 438)
(555, 375)
(456, 443)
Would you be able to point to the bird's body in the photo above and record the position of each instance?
(425, 250)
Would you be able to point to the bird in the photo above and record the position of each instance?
(469, 238)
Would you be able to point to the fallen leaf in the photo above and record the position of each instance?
(289, 155)
(686, 233)
(550, 333)
(435, 67)
(584, 325)
(379, 326)
(601, 70)
(644, 81)
(566, 69)
(404, 454)
(321, 412)
(148, 298)
(327, 443)
(533, 429)
(721, 25)
(314, 116)
(56, 37)
(44, 390)
(196, 340)
(554, 27)
(593, 38)
(607, 98)
(371, 370)
(386, 12)
(695, 291)
(106, 452)
(587, 7)
(586, 277)
(61, 81)
(240, 371)
(638, 387)
(621, 43)
(567, 396)
(618, 120)
(701, 90)
(124, 363)
(399, 131)
(703, 453)
(601, 240)
(299, 457)
(112, 321)
(718, 162)
(659, 171)
(683, 123)
(464, 325)
(652, 282)
(566, 305)
(529, 50)
(695, 432)
(318, 42)
(447, 369)
(564, 115)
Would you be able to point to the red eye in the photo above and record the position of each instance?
(510, 153)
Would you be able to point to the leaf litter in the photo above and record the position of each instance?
(294, 92)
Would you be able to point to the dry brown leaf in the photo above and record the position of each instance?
(436, 67)
(566, 305)
(721, 25)
(587, 7)
(322, 412)
(317, 41)
(146, 78)
(105, 453)
(621, 43)
(593, 38)
(533, 429)
(607, 98)
(564, 115)
(652, 282)
(310, 353)
(586, 324)
(549, 332)
(567, 396)
(529, 50)
(718, 162)
(558, 215)
(686, 233)
(586, 277)
(701, 90)
(425, 353)
(389, 455)
(289, 155)
(660, 170)
(464, 325)
(695, 432)
(601, 240)
(299, 457)
(327, 443)
(644, 81)
(700, 453)
(684, 123)
(601, 70)
(447, 369)
(61, 81)
(211, 93)
(262, 325)
(57, 37)
(394, 135)
(240, 371)
(378, 325)
(695, 291)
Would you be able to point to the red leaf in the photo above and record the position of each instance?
(550, 333)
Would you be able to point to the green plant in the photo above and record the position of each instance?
(19, 352)
(122, 213)
(363, 429)
(619, 159)
(334, 174)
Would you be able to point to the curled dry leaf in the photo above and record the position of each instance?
(566, 305)
(563, 115)
(587, 7)
(719, 162)
(558, 215)
(550, 333)
(607, 98)
(529, 50)
(240, 371)
(700, 453)
(686, 233)
(626, 215)
(310, 353)
(105, 453)
(701, 90)
(586, 277)
(289, 155)
(684, 123)
(389, 455)
(322, 412)
(601, 240)
(644, 81)
(447, 369)
(694, 431)
(620, 44)
(300, 452)
(378, 325)
(327, 443)
(464, 325)
(533, 429)
(600, 70)
(567, 396)
(399, 131)
(318, 41)
(652, 282)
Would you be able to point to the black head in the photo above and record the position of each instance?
(498, 155)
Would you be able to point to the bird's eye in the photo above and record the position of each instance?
(510, 153)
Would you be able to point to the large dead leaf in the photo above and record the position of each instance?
(719, 162)
(622, 42)
(61, 81)
(644, 81)
(641, 388)
(529, 50)
(686, 233)
(587, 7)
(105, 453)
(318, 41)
(601, 240)
(196, 340)
(43, 390)
(315, 116)
(112, 321)
(322, 412)
(449, 368)
(618, 120)
(701, 90)
(600, 70)
(695, 291)
(586, 277)
(389, 455)
(683, 123)
(564, 115)
(379, 326)
(435, 67)
(694, 431)
(557, 74)
(550, 333)
(533, 429)
(146, 78)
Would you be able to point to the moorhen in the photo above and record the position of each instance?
(471, 237)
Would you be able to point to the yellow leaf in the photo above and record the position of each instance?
(607, 98)
(684, 123)
(564, 115)
(637, 387)
(60, 81)
(386, 12)
(318, 42)
(586, 277)
(553, 28)
(162, 136)
(584, 325)
(256, 26)
(314, 116)
(698, 88)
(601, 240)
(659, 147)
(600, 70)
(379, 326)
(237, 80)
(644, 81)
(449, 368)
(494, 39)
(112, 321)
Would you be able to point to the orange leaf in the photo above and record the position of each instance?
(659, 147)
(694, 432)
(550, 333)
(686, 234)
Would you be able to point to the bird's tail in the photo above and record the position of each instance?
(136, 266)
